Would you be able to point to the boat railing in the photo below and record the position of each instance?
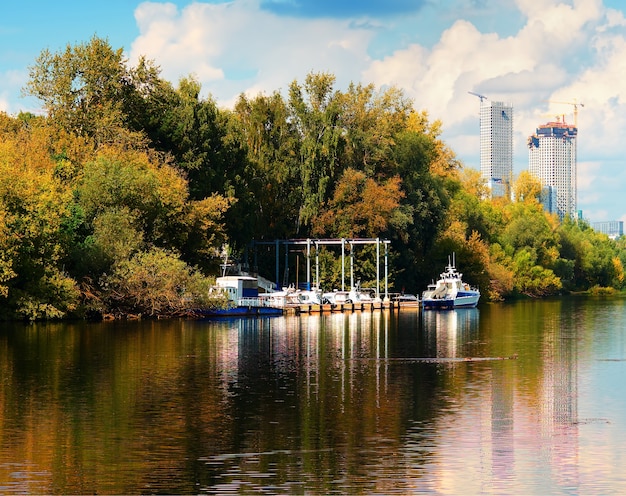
(254, 302)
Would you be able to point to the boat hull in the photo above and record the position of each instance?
(461, 301)
(243, 312)
(437, 304)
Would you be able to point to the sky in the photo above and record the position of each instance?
(527, 53)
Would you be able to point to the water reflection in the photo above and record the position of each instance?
(524, 398)
(452, 332)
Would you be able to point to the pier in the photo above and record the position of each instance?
(368, 306)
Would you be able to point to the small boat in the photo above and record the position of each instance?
(291, 297)
(337, 297)
(450, 292)
(406, 300)
(355, 295)
(309, 297)
(363, 295)
(243, 297)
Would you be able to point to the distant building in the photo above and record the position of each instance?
(547, 197)
(552, 159)
(612, 228)
(496, 146)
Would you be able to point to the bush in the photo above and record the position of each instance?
(158, 283)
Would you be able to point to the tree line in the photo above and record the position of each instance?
(120, 199)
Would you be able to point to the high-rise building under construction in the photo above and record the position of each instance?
(552, 160)
(496, 146)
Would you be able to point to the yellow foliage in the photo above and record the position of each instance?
(619, 269)
(527, 188)
(474, 183)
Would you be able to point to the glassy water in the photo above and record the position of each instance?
(521, 398)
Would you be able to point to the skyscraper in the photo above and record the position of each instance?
(552, 160)
(496, 146)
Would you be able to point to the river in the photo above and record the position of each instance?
(515, 398)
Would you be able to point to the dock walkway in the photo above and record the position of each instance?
(347, 307)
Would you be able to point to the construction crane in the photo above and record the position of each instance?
(482, 97)
(575, 104)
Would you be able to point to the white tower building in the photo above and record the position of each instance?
(496, 146)
(552, 159)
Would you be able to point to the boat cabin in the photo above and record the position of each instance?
(237, 287)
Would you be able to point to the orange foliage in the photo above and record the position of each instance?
(360, 207)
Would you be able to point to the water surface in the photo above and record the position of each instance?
(521, 398)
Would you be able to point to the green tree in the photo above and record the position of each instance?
(427, 198)
(371, 121)
(316, 112)
(197, 133)
(532, 279)
(84, 89)
(274, 186)
(205, 143)
(528, 226)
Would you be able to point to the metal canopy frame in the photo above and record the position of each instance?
(343, 242)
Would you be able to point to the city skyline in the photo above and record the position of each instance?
(435, 52)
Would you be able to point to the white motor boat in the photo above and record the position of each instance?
(450, 292)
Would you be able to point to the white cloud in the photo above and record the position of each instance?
(517, 68)
(562, 20)
(4, 102)
(12, 83)
(587, 172)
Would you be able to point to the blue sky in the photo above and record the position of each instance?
(436, 51)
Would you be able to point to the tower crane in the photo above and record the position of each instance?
(482, 97)
(575, 104)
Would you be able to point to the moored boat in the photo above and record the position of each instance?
(450, 292)
(406, 300)
(242, 292)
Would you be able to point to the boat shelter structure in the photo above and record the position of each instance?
(311, 247)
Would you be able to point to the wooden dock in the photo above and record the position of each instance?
(348, 307)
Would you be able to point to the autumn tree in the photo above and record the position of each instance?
(473, 183)
(33, 209)
(360, 207)
(157, 283)
(128, 200)
(527, 187)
